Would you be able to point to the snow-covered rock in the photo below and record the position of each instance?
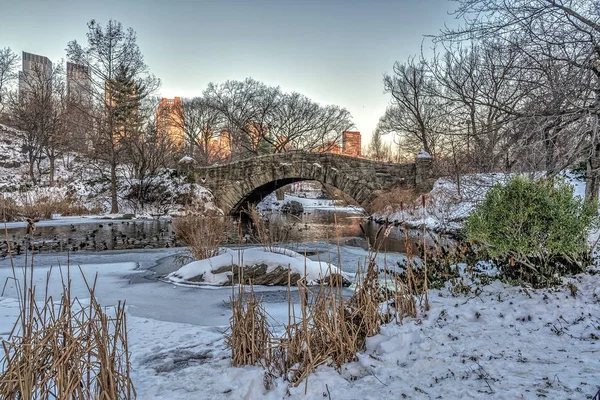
(263, 266)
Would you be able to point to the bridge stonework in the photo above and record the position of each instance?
(238, 184)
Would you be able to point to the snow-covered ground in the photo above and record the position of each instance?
(499, 341)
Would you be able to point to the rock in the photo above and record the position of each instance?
(258, 275)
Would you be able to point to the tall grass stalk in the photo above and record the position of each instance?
(65, 349)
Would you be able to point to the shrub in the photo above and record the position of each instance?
(203, 231)
(536, 230)
(9, 210)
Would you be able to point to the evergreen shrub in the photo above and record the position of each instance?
(535, 230)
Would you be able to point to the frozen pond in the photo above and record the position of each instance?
(132, 272)
(132, 276)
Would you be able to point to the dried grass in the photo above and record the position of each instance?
(40, 206)
(329, 328)
(250, 335)
(202, 231)
(9, 210)
(66, 349)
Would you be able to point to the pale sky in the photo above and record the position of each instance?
(332, 51)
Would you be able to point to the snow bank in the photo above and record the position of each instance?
(445, 209)
(215, 271)
(499, 342)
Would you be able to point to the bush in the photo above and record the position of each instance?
(203, 231)
(535, 230)
(9, 210)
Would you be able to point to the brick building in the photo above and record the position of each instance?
(351, 143)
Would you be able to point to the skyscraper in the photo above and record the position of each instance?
(169, 119)
(351, 143)
(32, 63)
(78, 81)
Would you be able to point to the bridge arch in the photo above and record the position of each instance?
(241, 183)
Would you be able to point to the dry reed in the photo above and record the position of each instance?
(249, 336)
(271, 230)
(202, 231)
(67, 349)
(329, 329)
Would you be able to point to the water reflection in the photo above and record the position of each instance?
(319, 225)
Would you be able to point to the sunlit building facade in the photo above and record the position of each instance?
(169, 120)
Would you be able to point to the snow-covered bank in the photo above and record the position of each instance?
(83, 184)
(270, 203)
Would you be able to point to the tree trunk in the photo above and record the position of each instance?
(52, 163)
(114, 207)
(32, 172)
(592, 178)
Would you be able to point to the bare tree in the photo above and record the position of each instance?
(200, 122)
(149, 153)
(481, 91)
(8, 64)
(413, 115)
(245, 107)
(263, 119)
(564, 32)
(378, 150)
(119, 82)
(39, 111)
(299, 123)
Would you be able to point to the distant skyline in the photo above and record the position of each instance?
(333, 51)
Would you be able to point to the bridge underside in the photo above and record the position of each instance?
(258, 194)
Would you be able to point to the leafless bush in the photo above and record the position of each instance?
(9, 210)
(203, 231)
(42, 205)
(393, 200)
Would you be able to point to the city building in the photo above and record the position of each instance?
(351, 143)
(30, 64)
(78, 81)
(219, 147)
(169, 120)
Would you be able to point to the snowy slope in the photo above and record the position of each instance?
(446, 210)
(83, 182)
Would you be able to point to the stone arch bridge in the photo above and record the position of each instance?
(245, 182)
